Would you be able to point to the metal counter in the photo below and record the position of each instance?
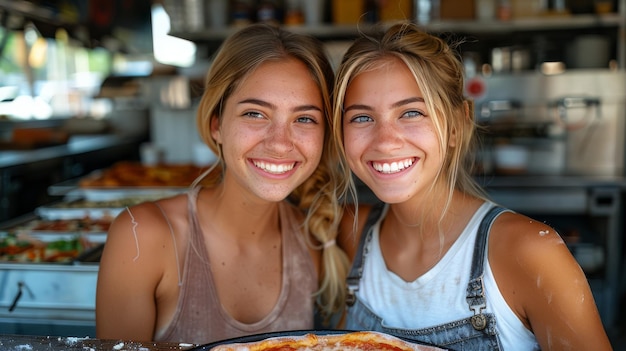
(51, 299)
(48, 299)
(52, 343)
(76, 145)
(26, 175)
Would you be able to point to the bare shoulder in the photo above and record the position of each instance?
(147, 224)
(543, 284)
(523, 240)
(351, 227)
(139, 256)
(522, 250)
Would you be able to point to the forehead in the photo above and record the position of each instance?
(278, 74)
(383, 76)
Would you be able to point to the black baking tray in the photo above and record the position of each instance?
(263, 336)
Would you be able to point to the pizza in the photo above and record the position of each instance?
(353, 341)
(135, 174)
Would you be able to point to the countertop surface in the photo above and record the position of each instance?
(76, 145)
(552, 181)
(54, 343)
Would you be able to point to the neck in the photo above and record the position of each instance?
(433, 216)
(238, 216)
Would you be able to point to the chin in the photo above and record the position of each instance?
(273, 195)
(392, 197)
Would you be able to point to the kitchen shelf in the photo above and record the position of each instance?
(557, 29)
(31, 11)
(83, 28)
(330, 31)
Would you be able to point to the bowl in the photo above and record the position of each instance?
(510, 159)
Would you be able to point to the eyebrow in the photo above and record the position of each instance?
(394, 105)
(266, 104)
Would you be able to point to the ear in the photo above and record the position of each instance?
(216, 132)
(452, 138)
(468, 106)
(468, 113)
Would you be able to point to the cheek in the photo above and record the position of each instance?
(352, 141)
(353, 146)
(313, 142)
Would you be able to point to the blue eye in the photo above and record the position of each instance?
(306, 119)
(361, 119)
(413, 114)
(253, 114)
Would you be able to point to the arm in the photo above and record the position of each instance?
(130, 271)
(544, 285)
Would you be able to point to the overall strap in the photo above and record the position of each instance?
(357, 266)
(475, 289)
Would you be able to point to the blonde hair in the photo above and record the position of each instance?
(438, 72)
(238, 56)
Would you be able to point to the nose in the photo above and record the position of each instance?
(388, 136)
(279, 138)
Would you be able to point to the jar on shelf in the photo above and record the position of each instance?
(504, 10)
(313, 12)
(241, 12)
(293, 12)
(426, 11)
(485, 10)
(268, 11)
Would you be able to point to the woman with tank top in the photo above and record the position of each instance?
(439, 262)
(241, 252)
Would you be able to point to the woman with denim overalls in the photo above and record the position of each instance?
(439, 262)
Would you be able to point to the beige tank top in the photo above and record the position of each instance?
(200, 318)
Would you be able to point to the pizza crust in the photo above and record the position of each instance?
(354, 341)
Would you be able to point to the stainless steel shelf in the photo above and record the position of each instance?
(330, 31)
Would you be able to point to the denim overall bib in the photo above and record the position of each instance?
(476, 332)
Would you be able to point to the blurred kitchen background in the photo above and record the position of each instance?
(85, 84)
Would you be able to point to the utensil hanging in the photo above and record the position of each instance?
(588, 121)
(563, 106)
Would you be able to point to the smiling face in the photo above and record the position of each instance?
(389, 139)
(271, 131)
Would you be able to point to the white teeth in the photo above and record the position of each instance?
(392, 167)
(274, 168)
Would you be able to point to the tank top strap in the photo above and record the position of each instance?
(357, 266)
(475, 295)
(192, 200)
(196, 240)
(171, 229)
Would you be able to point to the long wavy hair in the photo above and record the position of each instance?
(238, 56)
(438, 71)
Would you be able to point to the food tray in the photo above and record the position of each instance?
(83, 225)
(80, 208)
(47, 237)
(52, 213)
(50, 247)
(130, 179)
(112, 194)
